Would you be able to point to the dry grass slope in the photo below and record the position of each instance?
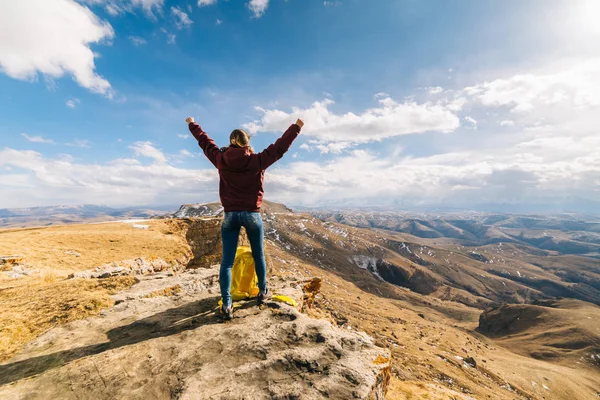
(27, 311)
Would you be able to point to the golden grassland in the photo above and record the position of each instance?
(31, 305)
(71, 248)
(28, 310)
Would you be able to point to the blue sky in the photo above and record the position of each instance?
(405, 102)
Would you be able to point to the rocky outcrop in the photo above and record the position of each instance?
(8, 262)
(202, 210)
(174, 346)
(139, 266)
(199, 210)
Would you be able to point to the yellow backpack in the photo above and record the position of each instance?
(244, 282)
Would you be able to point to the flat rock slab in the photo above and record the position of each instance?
(178, 348)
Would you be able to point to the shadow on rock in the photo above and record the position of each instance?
(166, 323)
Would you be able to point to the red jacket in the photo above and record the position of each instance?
(241, 172)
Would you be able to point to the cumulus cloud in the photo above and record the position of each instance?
(537, 168)
(387, 120)
(52, 38)
(258, 7)
(326, 148)
(185, 153)
(464, 178)
(47, 181)
(37, 139)
(578, 86)
(147, 149)
(202, 3)
(552, 151)
(182, 20)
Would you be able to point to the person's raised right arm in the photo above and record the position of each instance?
(204, 141)
(275, 151)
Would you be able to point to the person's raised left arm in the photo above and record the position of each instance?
(275, 151)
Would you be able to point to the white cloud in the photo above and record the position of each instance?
(72, 103)
(48, 181)
(537, 168)
(137, 40)
(182, 20)
(472, 122)
(435, 90)
(81, 143)
(170, 36)
(37, 139)
(147, 149)
(183, 136)
(52, 38)
(388, 120)
(335, 148)
(326, 148)
(457, 104)
(523, 174)
(578, 86)
(149, 5)
(116, 7)
(202, 3)
(332, 3)
(219, 22)
(258, 7)
(552, 152)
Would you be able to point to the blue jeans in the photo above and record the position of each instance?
(230, 232)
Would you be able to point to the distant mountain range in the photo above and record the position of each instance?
(569, 204)
(84, 213)
(565, 233)
(72, 214)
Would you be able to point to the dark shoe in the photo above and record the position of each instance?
(227, 313)
(262, 297)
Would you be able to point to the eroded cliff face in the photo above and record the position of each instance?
(203, 235)
(204, 238)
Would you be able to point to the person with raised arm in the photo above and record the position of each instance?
(241, 177)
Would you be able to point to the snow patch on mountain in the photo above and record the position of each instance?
(368, 263)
